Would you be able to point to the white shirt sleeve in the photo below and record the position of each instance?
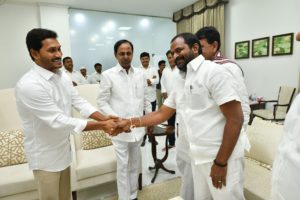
(105, 95)
(155, 78)
(41, 105)
(163, 83)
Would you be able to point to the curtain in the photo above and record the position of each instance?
(202, 13)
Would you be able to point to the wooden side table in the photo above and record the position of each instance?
(158, 163)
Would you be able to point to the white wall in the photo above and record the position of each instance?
(247, 20)
(15, 22)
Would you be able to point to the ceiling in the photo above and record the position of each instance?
(160, 8)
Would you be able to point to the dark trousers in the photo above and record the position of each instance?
(171, 122)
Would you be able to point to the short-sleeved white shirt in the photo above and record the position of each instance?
(207, 86)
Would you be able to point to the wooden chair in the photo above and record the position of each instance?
(281, 106)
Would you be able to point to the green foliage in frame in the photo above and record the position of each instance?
(282, 44)
(260, 47)
(242, 49)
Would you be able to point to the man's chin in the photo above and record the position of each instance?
(182, 67)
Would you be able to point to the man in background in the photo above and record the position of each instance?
(123, 93)
(167, 81)
(76, 76)
(83, 72)
(44, 97)
(285, 173)
(159, 97)
(96, 76)
(210, 41)
(152, 78)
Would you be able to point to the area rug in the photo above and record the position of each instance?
(160, 191)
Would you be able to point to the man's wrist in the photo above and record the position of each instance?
(219, 164)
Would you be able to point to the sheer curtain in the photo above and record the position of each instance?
(202, 13)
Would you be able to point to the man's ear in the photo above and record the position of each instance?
(195, 48)
(34, 54)
(215, 45)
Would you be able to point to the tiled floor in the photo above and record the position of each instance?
(109, 189)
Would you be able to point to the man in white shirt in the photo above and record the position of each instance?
(211, 112)
(285, 172)
(96, 76)
(83, 72)
(209, 38)
(45, 96)
(152, 79)
(75, 76)
(168, 78)
(123, 93)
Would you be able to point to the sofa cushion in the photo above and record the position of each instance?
(257, 183)
(11, 148)
(264, 137)
(94, 139)
(95, 162)
(16, 179)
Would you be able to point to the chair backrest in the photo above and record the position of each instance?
(285, 96)
(9, 116)
(89, 92)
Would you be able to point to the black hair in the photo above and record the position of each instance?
(189, 39)
(144, 54)
(118, 44)
(168, 52)
(35, 37)
(161, 62)
(97, 64)
(210, 33)
(66, 58)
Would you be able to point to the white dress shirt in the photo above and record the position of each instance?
(44, 101)
(94, 78)
(285, 173)
(207, 86)
(124, 95)
(77, 77)
(237, 73)
(167, 79)
(152, 74)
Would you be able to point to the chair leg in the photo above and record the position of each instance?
(140, 181)
(74, 195)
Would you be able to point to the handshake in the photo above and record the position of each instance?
(114, 125)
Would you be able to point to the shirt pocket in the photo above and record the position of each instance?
(197, 97)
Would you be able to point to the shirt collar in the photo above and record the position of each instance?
(196, 63)
(46, 74)
(120, 68)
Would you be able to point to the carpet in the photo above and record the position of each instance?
(160, 191)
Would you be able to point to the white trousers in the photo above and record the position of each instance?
(128, 165)
(204, 189)
(183, 162)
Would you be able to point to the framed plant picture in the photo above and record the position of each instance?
(282, 44)
(260, 47)
(242, 49)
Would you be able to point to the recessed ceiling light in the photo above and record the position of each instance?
(109, 37)
(125, 28)
(92, 49)
(99, 44)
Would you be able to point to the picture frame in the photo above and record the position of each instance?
(260, 47)
(241, 49)
(282, 44)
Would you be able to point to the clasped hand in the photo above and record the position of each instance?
(115, 125)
